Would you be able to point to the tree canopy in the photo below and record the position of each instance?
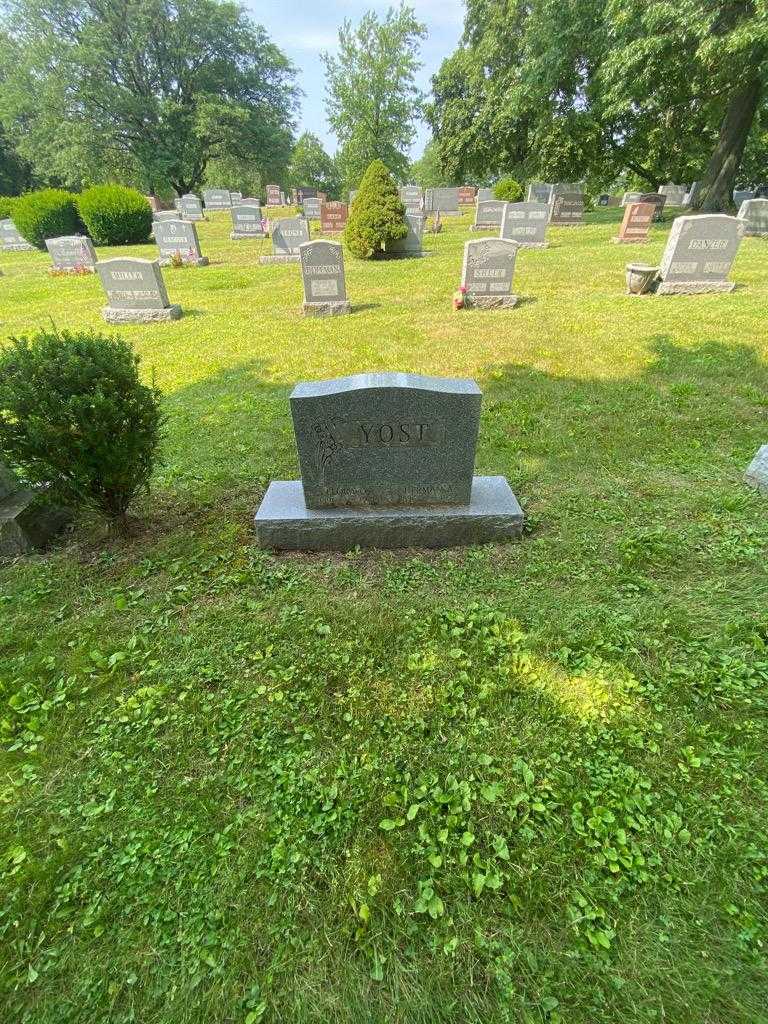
(310, 165)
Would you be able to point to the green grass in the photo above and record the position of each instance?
(518, 783)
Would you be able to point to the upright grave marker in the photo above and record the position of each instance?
(411, 245)
(754, 214)
(539, 192)
(487, 273)
(333, 217)
(235, 197)
(631, 197)
(489, 213)
(247, 220)
(311, 206)
(467, 195)
(412, 198)
(566, 209)
(11, 240)
(72, 253)
(658, 201)
(526, 224)
(446, 200)
(274, 195)
(485, 195)
(287, 236)
(757, 471)
(387, 461)
(636, 223)
(699, 254)
(135, 292)
(191, 208)
(217, 198)
(177, 239)
(675, 193)
(741, 196)
(322, 274)
(27, 520)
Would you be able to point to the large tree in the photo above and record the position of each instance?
(372, 97)
(311, 166)
(150, 90)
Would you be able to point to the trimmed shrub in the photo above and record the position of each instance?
(509, 190)
(5, 206)
(49, 213)
(115, 215)
(377, 215)
(74, 415)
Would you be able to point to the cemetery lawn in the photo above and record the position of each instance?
(515, 783)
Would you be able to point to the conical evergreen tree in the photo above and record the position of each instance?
(377, 215)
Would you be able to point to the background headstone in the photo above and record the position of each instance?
(217, 198)
(412, 198)
(10, 239)
(538, 192)
(485, 195)
(467, 195)
(699, 254)
(235, 197)
(179, 237)
(566, 209)
(658, 200)
(411, 245)
(135, 290)
(287, 235)
(247, 220)
(757, 471)
(191, 208)
(322, 275)
(754, 214)
(71, 252)
(274, 195)
(488, 271)
(446, 200)
(636, 223)
(631, 197)
(741, 195)
(27, 520)
(526, 224)
(311, 206)
(333, 216)
(489, 213)
(675, 193)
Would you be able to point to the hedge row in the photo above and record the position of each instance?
(109, 214)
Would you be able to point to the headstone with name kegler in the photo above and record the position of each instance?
(757, 471)
(487, 273)
(288, 235)
(333, 216)
(411, 245)
(136, 292)
(72, 254)
(274, 195)
(566, 209)
(191, 207)
(247, 220)
(526, 224)
(754, 214)
(636, 223)
(217, 198)
(699, 255)
(446, 200)
(11, 240)
(467, 195)
(177, 240)
(322, 274)
(489, 213)
(387, 461)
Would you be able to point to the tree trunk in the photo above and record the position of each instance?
(716, 191)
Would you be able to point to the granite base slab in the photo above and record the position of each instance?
(140, 316)
(326, 308)
(491, 302)
(284, 522)
(27, 524)
(237, 235)
(532, 245)
(485, 227)
(694, 287)
(265, 260)
(629, 241)
(166, 261)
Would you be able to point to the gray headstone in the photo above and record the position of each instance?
(412, 198)
(387, 460)
(675, 193)
(178, 237)
(631, 197)
(757, 471)
(10, 239)
(235, 197)
(566, 209)
(754, 214)
(741, 196)
(487, 272)
(27, 520)
(163, 215)
(489, 213)
(69, 252)
(699, 254)
(135, 291)
(217, 198)
(411, 245)
(247, 220)
(191, 208)
(538, 192)
(446, 200)
(485, 195)
(692, 193)
(288, 234)
(311, 207)
(526, 223)
(322, 274)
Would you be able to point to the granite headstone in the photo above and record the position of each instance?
(526, 223)
(699, 254)
(136, 291)
(487, 273)
(467, 195)
(636, 222)
(288, 235)
(489, 214)
(274, 195)
(757, 471)
(311, 207)
(754, 214)
(247, 220)
(411, 245)
(191, 208)
(217, 198)
(566, 209)
(333, 216)
(446, 200)
(27, 520)
(177, 240)
(10, 239)
(72, 253)
(322, 274)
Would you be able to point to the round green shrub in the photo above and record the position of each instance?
(509, 190)
(377, 215)
(115, 215)
(75, 416)
(49, 213)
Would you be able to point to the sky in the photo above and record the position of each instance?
(302, 29)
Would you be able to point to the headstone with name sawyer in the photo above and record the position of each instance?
(446, 200)
(27, 520)
(136, 292)
(177, 239)
(754, 214)
(757, 471)
(191, 208)
(333, 216)
(11, 240)
(247, 220)
(467, 195)
(217, 198)
(322, 274)
(526, 224)
(489, 213)
(387, 461)
(631, 197)
(274, 195)
(412, 198)
(539, 192)
(72, 253)
(487, 273)
(699, 254)
(287, 235)
(411, 245)
(636, 223)
(566, 209)
(675, 193)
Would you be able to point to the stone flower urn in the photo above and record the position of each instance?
(640, 278)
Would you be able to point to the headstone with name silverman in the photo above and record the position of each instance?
(487, 273)
(72, 253)
(699, 254)
(287, 235)
(177, 240)
(322, 274)
(136, 291)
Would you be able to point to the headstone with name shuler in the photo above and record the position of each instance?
(467, 195)
(274, 195)
(247, 220)
(11, 240)
(217, 198)
(757, 471)
(526, 224)
(72, 254)
(136, 292)
(177, 241)
(411, 245)
(699, 254)
(387, 461)
(487, 273)
(311, 207)
(566, 209)
(287, 235)
(446, 200)
(322, 274)
(754, 214)
(27, 520)
(191, 208)
(489, 213)
(636, 223)
(333, 216)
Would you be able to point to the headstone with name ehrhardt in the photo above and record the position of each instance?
(136, 292)
(247, 220)
(322, 274)
(699, 255)
(387, 461)
(287, 235)
(487, 273)
(177, 240)
(72, 254)
(526, 224)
